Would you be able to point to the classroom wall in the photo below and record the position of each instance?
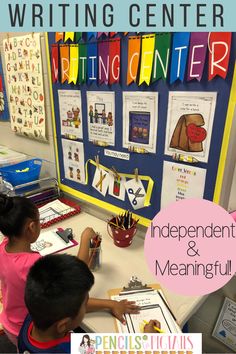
(205, 318)
(32, 147)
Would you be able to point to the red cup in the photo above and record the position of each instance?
(121, 238)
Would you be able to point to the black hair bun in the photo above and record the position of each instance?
(6, 203)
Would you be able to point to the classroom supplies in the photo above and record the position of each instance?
(100, 143)
(138, 150)
(52, 242)
(184, 158)
(225, 327)
(152, 305)
(66, 235)
(94, 262)
(123, 228)
(22, 172)
(56, 211)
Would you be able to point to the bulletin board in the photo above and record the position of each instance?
(150, 164)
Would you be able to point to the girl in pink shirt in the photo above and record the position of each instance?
(19, 222)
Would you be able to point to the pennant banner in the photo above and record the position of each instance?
(92, 62)
(197, 55)
(78, 36)
(82, 63)
(91, 34)
(161, 56)
(112, 34)
(54, 62)
(103, 62)
(65, 62)
(148, 43)
(59, 36)
(219, 48)
(69, 35)
(134, 46)
(99, 34)
(179, 56)
(114, 65)
(74, 63)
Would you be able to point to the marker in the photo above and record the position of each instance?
(138, 150)
(100, 143)
(155, 327)
(184, 158)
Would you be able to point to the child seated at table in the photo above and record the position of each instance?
(56, 296)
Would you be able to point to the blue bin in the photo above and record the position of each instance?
(23, 172)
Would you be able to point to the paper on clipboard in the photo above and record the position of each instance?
(152, 306)
(50, 242)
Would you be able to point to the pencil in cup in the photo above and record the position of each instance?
(155, 327)
(94, 258)
(94, 262)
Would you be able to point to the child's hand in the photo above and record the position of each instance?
(119, 308)
(149, 328)
(88, 234)
(86, 237)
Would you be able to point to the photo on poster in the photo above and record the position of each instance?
(101, 116)
(117, 187)
(25, 85)
(136, 193)
(140, 116)
(181, 182)
(189, 123)
(101, 181)
(70, 113)
(73, 158)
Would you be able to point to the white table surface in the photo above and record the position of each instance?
(118, 265)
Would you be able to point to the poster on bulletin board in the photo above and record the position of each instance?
(70, 113)
(189, 123)
(140, 116)
(101, 116)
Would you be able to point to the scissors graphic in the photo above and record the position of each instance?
(136, 194)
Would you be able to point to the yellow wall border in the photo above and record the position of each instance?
(52, 106)
(225, 141)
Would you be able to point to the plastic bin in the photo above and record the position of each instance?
(23, 172)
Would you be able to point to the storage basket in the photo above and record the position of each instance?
(23, 172)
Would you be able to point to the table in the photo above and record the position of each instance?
(118, 265)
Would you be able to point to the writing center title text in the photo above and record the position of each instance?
(147, 15)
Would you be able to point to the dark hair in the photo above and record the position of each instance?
(85, 336)
(13, 214)
(56, 288)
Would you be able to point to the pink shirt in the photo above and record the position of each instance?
(14, 268)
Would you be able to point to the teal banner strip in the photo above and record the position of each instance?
(122, 15)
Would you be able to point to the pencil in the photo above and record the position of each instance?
(155, 327)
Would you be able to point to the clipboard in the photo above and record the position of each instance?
(153, 305)
(54, 241)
